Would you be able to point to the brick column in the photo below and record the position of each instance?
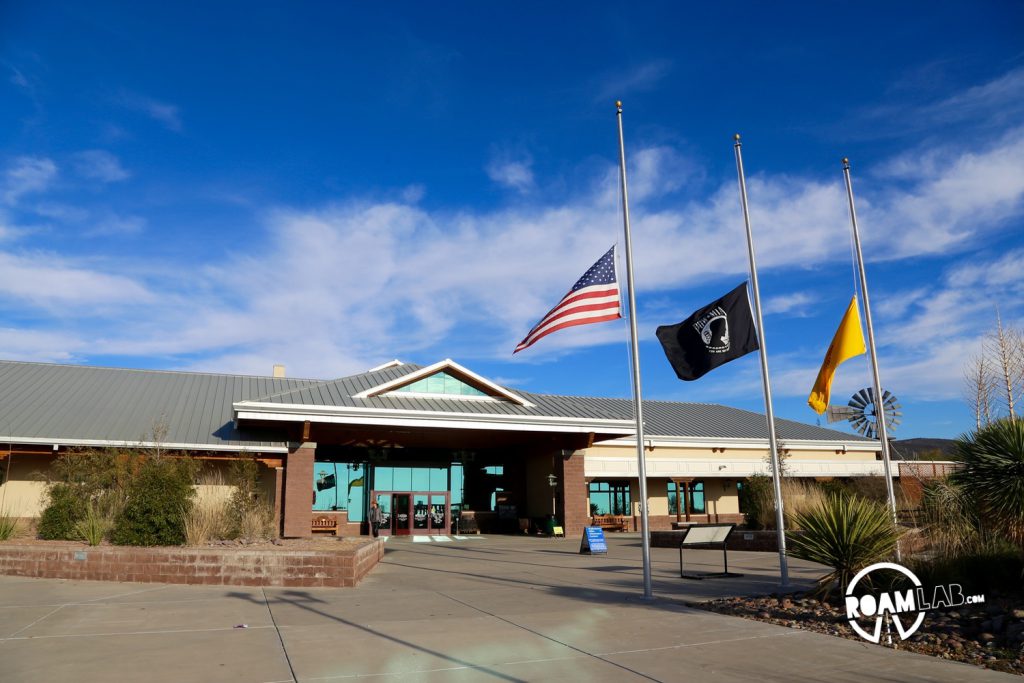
(278, 498)
(298, 490)
(572, 510)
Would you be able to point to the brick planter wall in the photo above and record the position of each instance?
(205, 566)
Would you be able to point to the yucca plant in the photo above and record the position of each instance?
(992, 475)
(846, 533)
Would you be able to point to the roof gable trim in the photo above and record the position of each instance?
(447, 365)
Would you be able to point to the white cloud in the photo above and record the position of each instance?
(48, 281)
(795, 304)
(515, 174)
(98, 164)
(167, 114)
(28, 174)
(113, 225)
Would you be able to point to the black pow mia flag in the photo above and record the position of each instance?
(714, 335)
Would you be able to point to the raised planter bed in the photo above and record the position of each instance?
(327, 563)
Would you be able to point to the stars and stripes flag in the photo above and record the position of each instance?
(593, 299)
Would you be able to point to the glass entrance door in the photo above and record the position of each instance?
(401, 514)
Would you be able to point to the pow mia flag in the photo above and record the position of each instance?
(714, 335)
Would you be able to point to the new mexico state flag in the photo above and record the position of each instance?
(848, 342)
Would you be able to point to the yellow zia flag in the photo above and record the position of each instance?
(848, 342)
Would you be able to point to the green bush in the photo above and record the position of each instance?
(757, 500)
(846, 533)
(157, 500)
(65, 507)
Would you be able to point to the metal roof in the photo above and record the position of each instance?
(47, 403)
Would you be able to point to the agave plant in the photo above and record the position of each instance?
(846, 533)
(992, 475)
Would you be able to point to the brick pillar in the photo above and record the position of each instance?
(572, 509)
(298, 490)
(278, 498)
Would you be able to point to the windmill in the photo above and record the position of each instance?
(861, 413)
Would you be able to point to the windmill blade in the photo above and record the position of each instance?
(839, 413)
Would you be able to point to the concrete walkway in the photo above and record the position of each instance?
(494, 609)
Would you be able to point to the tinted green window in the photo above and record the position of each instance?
(441, 383)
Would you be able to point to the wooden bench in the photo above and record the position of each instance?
(325, 525)
(612, 522)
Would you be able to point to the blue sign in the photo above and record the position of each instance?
(593, 541)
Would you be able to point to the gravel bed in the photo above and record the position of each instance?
(990, 635)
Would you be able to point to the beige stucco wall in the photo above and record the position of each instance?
(23, 493)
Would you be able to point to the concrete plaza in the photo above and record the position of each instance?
(475, 609)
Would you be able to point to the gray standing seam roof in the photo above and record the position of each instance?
(62, 403)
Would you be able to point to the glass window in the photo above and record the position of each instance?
(339, 486)
(383, 478)
(420, 478)
(438, 479)
(402, 479)
(441, 383)
(696, 498)
(456, 484)
(609, 498)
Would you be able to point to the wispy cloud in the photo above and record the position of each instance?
(27, 174)
(639, 78)
(795, 304)
(49, 281)
(98, 164)
(167, 114)
(513, 173)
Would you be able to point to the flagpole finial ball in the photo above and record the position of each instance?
(736, 137)
(618, 104)
(846, 160)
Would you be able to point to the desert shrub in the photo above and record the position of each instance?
(257, 523)
(65, 507)
(86, 484)
(8, 525)
(207, 517)
(992, 476)
(798, 496)
(846, 533)
(757, 500)
(158, 498)
(94, 525)
(993, 566)
(244, 476)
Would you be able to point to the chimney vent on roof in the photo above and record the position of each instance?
(278, 370)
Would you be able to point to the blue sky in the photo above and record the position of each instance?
(225, 186)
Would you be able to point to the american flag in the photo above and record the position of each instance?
(593, 299)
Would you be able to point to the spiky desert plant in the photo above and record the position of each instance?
(94, 525)
(846, 533)
(8, 525)
(992, 475)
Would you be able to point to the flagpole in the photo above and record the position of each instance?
(635, 355)
(879, 398)
(772, 441)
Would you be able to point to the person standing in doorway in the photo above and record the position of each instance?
(374, 518)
